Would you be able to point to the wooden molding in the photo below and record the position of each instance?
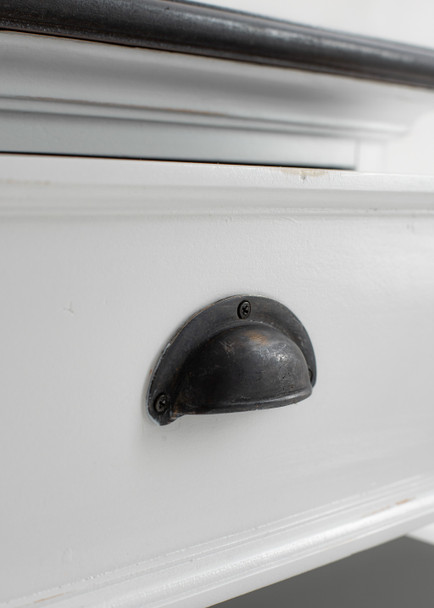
(79, 187)
(73, 97)
(215, 571)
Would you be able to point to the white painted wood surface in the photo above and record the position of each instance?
(62, 96)
(100, 261)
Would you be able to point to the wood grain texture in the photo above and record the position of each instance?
(171, 25)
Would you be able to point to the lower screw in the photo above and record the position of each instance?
(161, 403)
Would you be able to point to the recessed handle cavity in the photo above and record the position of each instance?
(240, 353)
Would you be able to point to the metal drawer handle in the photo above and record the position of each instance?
(240, 353)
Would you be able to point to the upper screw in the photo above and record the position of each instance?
(161, 403)
(244, 309)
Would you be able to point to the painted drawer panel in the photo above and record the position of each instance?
(100, 262)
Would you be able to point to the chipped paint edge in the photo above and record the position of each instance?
(34, 186)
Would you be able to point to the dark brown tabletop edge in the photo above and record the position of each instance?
(175, 25)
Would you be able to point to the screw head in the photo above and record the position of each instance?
(244, 309)
(161, 403)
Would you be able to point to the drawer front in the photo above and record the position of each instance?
(101, 261)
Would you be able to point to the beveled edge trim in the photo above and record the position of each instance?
(175, 25)
(56, 186)
(217, 570)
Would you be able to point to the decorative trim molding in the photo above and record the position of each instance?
(214, 571)
(172, 25)
(78, 187)
(62, 96)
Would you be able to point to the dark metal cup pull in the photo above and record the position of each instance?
(240, 353)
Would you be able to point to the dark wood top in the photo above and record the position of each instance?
(174, 25)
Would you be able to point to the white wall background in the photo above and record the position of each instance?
(401, 20)
(413, 153)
